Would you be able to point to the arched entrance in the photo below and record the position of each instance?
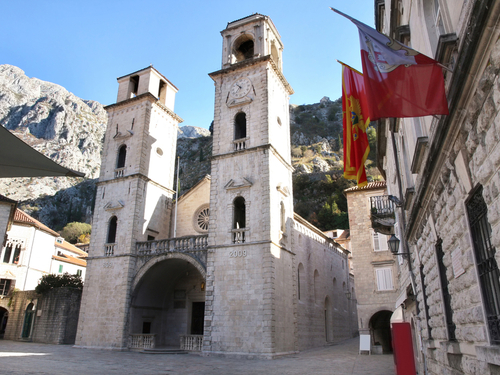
(168, 300)
(4, 316)
(380, 330)
(28, 321)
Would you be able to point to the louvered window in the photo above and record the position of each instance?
(384, 279)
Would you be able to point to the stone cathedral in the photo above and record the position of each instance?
(238, 272)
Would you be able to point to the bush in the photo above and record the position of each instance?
(72, 231)
(51, 281)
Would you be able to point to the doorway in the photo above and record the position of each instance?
(197, 318)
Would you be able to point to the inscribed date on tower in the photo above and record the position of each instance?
(237, 253)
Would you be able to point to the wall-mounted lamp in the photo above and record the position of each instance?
(394, 246)
(348, 295)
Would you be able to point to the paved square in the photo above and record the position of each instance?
(30, 358)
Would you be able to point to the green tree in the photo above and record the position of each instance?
(371, 133)
(51, 281)
(72, 231)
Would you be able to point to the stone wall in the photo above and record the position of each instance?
(55, 319)
(365, 259)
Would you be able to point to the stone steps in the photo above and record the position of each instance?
(163, 351)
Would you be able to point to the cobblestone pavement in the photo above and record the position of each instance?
(30, 358)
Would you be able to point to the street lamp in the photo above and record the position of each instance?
(394, 246)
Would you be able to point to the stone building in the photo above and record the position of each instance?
(30, 251)
(444, 170)
(373, 264)
(231, 269)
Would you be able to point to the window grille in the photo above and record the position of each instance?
(486, 264)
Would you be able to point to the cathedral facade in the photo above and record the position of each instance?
(227, 268)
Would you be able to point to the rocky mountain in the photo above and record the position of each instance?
(70, 131)
(55, 122)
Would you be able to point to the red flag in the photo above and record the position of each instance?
(355, 120)
(399, 81)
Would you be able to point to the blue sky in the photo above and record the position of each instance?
(85, 45)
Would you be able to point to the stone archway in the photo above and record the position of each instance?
(168, 299)
(380, 330)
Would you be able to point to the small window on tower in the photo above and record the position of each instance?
(122, 155)
(240, 126)
(134, 86)
(243, 48)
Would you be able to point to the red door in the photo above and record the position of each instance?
(402, 346)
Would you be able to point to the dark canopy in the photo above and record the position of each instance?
(18, 159)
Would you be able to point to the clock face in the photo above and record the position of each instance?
(240, 88)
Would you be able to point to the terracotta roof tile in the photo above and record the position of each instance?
(70, 259)
(369, 186)
(70, 247)
(23, 217)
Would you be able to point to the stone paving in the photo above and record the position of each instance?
(30, 358)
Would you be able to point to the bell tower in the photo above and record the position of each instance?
(250, 305)
(133, 201)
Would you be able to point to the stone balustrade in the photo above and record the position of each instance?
(109, 249)
(191, 342)
(119, 172)
(194, 246)
(142, 341)
(240, 144)
(238, 235)
(179, 244)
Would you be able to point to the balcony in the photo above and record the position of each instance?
(194, 246)
(382, 211)
(119, 172)
(240, 144)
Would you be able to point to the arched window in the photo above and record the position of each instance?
(239, 220)
(240, 126)
(239, 213)
(243, 48)
(316, 286)
(112, 230)
(7, 253)
(17, 253)
(300, 281)
(122, 155)
(282, 217)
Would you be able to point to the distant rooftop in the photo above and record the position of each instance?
(369, 186)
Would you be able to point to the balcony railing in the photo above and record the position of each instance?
(179, 244)
(238, 235)
(240, 144)
(109, 249)
(194, 246)
(119, 172)
(142, 341)
(382, 213)
(192, 342)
